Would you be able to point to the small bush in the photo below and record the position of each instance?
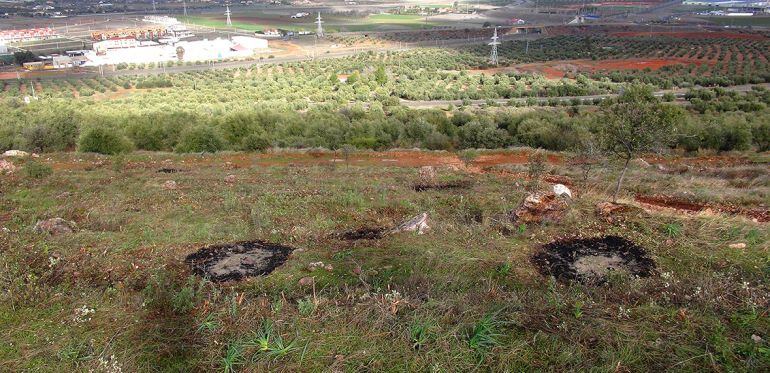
(761, 134)
(118, 163)
(255, 143)
(200, 139)
(104, 141)
(37, 170)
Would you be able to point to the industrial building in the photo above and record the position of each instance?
(734, 7)
(137, 52)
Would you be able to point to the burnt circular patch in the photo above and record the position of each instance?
(167, 170)
(363, 234)
(236, 261)
(458, 184)
(590, 260)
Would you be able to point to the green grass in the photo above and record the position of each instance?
(464, 296)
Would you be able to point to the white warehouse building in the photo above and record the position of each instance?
(201, 50)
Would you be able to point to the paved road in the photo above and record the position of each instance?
(678, 93)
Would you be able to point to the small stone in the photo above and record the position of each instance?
(756, 338)
(427, 175)
(357, 270)
(7, 167)
(231, 179)
(417, 224)
(538, 208)
(739, 245)
(681, 314)
(169, 185)
(15, 153)
(55, 226)
(561, 189)
(306, 281)
(314, 265)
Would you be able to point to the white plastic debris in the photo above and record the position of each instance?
(560, 189)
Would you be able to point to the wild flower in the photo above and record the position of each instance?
(53, 261)
(109, 365)
(623, 312)
(82, 314)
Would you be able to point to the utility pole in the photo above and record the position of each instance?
(495, 42)
(184, 4)
(320, 30)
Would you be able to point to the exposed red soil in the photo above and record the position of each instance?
(521, 157)
(9, 75)
(761, 215)
(692, 35)
(558, 69)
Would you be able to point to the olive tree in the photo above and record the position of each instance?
(635, 123)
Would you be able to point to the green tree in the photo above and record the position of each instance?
(635, 123)
(380, 76)
(333, 78)
(23, 57)
(354, 77)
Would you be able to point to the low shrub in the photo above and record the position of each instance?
(104, 140)
(256, 143)
(37, 170)
(200, 139)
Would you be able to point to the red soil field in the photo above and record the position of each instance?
(693, 35)
(758, 214)
(558, 69)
